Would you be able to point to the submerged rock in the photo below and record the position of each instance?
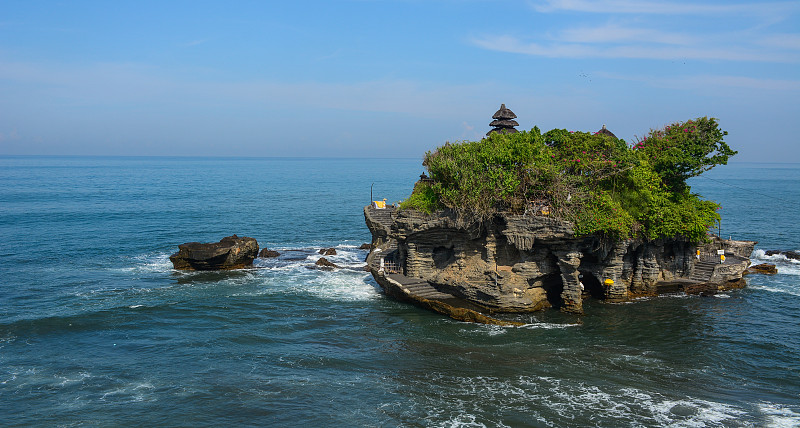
(328, 251)
(231, 252)
(365, 247)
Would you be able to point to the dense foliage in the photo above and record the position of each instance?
(594, 180)
(684, 150)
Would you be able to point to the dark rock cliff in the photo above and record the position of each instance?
(518, 263)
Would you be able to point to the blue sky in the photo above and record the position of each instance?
(374, 78)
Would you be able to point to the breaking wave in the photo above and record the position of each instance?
(784, 264)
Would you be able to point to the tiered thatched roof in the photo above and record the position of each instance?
(503, 123)
(504, 113)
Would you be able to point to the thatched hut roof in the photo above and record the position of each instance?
(504, 123)
(605, 131)
(504, 113)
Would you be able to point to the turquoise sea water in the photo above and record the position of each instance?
(97, 329)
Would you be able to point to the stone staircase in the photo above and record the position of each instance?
(419, 288)
(382, 216)
(703, 270)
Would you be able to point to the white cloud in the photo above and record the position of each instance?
(735, 32)
(618, 34)
(643, 49)
(712, 81)
(114, 84)
(780, 41)
(745, 36)
(664, 8)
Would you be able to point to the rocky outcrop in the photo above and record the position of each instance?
(325, 264)
(267, 253)
(763, 268)
(231, 252)
(515, 263)
(328, 251)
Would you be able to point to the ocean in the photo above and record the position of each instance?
(97, 329)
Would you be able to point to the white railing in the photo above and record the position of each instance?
(390, 267)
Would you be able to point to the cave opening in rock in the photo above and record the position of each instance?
(506, 254)
(553, 285)
(592, 287)
(443, 256)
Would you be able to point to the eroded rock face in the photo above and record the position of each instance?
(231, 252)
(520, 264)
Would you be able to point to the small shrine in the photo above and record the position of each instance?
(503, 122)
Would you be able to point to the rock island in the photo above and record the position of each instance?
(524, 221)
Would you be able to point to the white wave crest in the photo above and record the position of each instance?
(132, 392)
(772, 289)
(495, 330)
(780, 416)
(147, 263)
(338, 286)
(343, 258)
(464, 420)
(294, 258)
(625, 406)
(761, 256)
(789, 269)
(547, 326)
(490, 330)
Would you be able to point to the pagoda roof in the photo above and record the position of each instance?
(504, 113)
(504, 123)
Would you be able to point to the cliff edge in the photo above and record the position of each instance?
(523, 263)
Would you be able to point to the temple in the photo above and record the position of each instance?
(503, 122)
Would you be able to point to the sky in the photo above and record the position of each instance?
(383, 78)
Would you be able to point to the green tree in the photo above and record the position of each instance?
(593, 180)
(685, 149)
